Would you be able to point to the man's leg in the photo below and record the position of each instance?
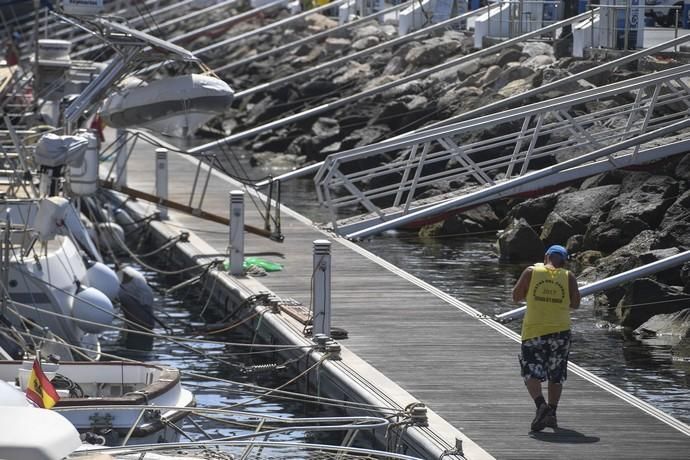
(555, 390)
(532, 366)
(534, 388)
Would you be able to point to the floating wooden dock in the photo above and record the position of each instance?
(441, 351)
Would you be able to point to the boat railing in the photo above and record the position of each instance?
(250, 449)
(246, 425)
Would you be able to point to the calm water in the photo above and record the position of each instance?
(469, 269)
(178, 315)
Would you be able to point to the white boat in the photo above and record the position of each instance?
(48, 284)
(90, 393)
(175, 106)
(31, 433)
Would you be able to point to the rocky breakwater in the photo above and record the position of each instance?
(401, 108)
(611, 223)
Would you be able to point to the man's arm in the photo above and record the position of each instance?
(522, 285)
(574, 290)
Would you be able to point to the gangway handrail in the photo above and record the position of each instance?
(507, 115)
(358, 54)
(480, 111)
(311, 38)
(242, 36)
(132, 22)
(328, 174)
(555, 84)
(381, 88)
(270, 26)
(168, 23)
(611, 281)
(467, 199)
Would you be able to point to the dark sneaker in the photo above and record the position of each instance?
(539, 423)
(550, 420)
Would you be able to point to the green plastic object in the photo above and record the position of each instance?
(257, 261)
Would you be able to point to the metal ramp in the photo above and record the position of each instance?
(507, 153)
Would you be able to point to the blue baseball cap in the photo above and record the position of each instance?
(557, 249)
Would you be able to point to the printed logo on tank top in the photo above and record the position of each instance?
(549, 291)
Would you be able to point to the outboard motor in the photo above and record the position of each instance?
(52, 153)
(136, 301)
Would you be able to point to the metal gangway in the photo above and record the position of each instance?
(526, 149)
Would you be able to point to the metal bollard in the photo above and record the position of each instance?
(321, 288)
(121, 158)
(162, 180)
(236, 232)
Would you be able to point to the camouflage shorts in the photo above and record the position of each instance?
(546, 357)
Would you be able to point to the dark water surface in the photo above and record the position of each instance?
(178, 313)
(468, 269)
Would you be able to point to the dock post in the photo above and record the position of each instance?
(121, 158)
(162, 180)
(236, 232)
(321, 288)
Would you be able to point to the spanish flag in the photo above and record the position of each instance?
(39, 390)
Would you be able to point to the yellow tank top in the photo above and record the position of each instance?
(548, 302)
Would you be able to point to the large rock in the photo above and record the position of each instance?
(623, 259)
(648, 202)
(675, 326)
(516, 87)
(577, 207)
(608, 235)
(335, 44)
(645, 298)
(556, 230)
(478, 219)
(368, 30)
(318, 22)
(352, 72)
(670, 276)
(508, 55)
(365, 42)
(434, 51)
(519, 242)
(534, 210)
(631, 212)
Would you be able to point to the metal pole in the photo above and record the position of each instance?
(121, 158)
(615, 280)
(236, 232)
(321, 288)
(162, 180)
(5, 263)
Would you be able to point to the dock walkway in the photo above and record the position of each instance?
(462, 366)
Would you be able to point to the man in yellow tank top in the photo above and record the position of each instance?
(550, 291)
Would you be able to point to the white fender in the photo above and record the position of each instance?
(103, 278)
(91, 304)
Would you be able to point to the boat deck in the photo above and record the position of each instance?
(462, 366)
